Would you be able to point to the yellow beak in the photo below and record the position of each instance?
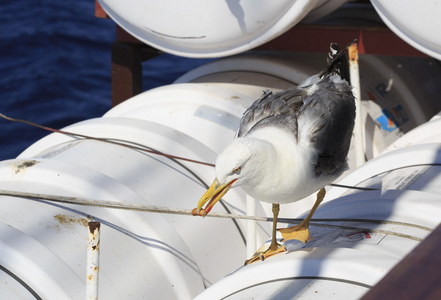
(214, 193)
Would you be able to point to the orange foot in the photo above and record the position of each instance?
(299, 232)
(262, 255)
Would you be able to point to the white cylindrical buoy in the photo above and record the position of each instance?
(413, 22)
(211, 29)
(427, 133)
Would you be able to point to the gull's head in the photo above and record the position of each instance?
(234, 166)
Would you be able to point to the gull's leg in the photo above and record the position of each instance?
(274, 247)
(301, 232)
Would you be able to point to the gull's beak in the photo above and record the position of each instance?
(214, 193)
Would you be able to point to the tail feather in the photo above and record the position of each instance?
(337, 62)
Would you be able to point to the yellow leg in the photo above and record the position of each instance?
(301, 232)
(274, 247)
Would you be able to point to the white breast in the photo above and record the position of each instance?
(288, 175)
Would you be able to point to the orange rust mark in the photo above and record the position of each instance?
(353, 52)
(69, 220)
(96, 247)
(94, 226)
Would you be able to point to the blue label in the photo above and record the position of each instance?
(392, 118)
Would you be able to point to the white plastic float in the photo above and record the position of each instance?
(350, 14)
(207, 112)
(212, 28)
(428, 133)
(413, 22)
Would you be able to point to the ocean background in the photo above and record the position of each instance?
(55, 63)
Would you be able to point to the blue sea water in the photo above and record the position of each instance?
(55, 60)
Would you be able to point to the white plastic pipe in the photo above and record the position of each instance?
(354, 74)
(93, 260)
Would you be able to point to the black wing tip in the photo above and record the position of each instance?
(337, 61)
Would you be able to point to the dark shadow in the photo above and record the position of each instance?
(238, 13)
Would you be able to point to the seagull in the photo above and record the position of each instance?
(289, 145)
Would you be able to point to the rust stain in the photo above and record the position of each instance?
(21, 166)
(353, 52)
(96, 247)
(70, 221)
(94, 226)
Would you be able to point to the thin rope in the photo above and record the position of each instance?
(146, 149)
(352, 187)
(189, 170)
(411, 237)
(166, 210)
(103, 140)
(374, 221)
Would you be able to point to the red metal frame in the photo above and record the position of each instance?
(99, 11)
(316, 38)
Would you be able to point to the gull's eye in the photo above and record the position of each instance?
(236, 170)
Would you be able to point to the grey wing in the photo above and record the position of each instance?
(330, 113)
(270, 106)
